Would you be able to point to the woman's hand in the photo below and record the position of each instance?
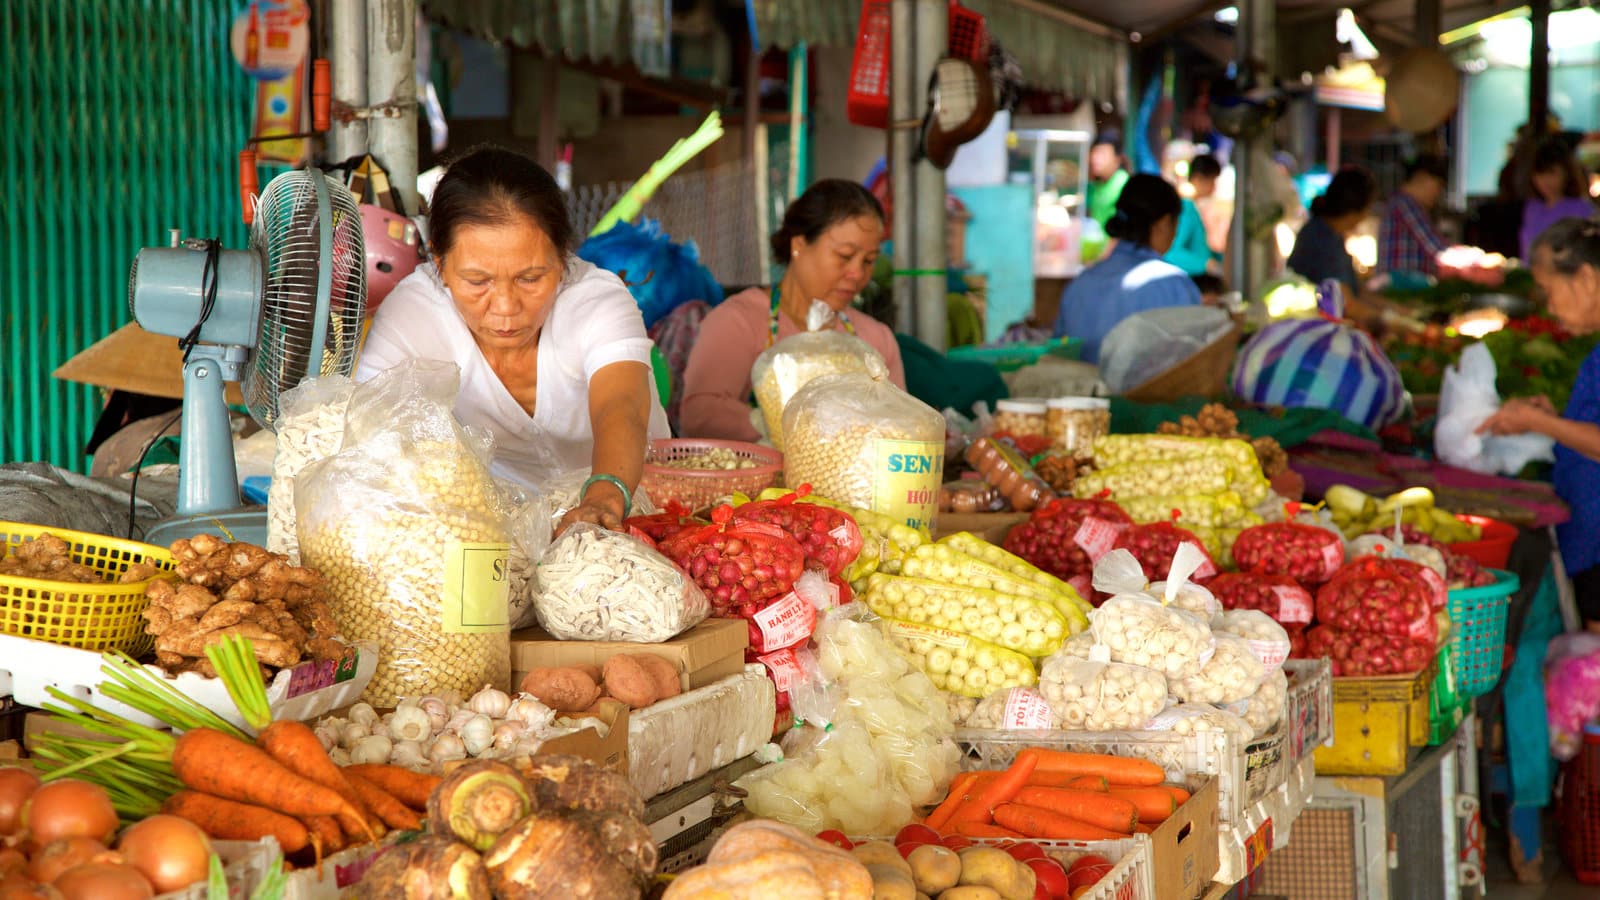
(601, 505)
(1520, 416)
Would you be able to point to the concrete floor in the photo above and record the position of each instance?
(1558, 883)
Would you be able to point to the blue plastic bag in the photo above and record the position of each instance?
(662, 275)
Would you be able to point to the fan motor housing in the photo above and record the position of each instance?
(166, 294)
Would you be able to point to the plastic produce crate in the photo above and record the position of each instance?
(245, 863)
(1578, 809)
(1478, 633)
(1010, 357)
(89, 616)
(1376, 722)
(1446, 704)
(1264, 764)
(1310, 707)
(1132, 875)
(1492, 550)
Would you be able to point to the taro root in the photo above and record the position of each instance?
(570, 855)
(428, 868)
(572, 782)
(478, 802)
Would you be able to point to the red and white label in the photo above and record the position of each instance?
(1271, 653)
(1332, 557)
(1422, 629)
(1294, 605)
(787, 667)
(841, 535)
(1441, 591)
(788, 621)
(1096, 537)
(1208, 569)
(1027, 710)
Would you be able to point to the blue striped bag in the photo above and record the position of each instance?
(1320, 364)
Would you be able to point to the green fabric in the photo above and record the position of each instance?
(1532, 771)
(941, 382)
(1190, 251)
(663, 375)
(1103, 196)
(1290, 427)
(963, 326)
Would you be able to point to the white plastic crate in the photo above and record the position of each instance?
(1309, 709)
(28, 667)
(1132, 875)
(246, 863)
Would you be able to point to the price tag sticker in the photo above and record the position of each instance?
(1271, 653)
(788, 621)
(1422, 627)
(1332, 558)
(1027, 710)
(1294, 605)
(312, 676)
(1096, 537)
(787, 667)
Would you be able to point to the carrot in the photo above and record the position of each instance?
(1143, 828)
(1115, 769)
(1155, 804)
(1092, 807)
(410, 788)
(386, 806)
(1049, 824)
(959, 786)
(219, 764)
(229, 820)
(295, 746)
(985, 797)
(1179, 795)
(1089, 783)
(982, 830)
(326, 835)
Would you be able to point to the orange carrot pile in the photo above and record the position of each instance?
(1059, 795)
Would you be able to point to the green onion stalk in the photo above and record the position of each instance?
(632, 203)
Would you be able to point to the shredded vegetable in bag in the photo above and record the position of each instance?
(1232, 674)
(1091, 695)
(1268, 640)
(600, 585)
(1013, 709)
(790, 364)
(1140, 630)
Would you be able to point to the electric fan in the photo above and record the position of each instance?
(288, 309)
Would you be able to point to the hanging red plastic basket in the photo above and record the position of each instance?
(868, 100)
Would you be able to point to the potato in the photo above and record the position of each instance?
(589, 669)
(563, 689)
(934, 868)
(891, 882)
(991, 867)
(881, 853)
(970, 892)
(663, 672)
(629, 682)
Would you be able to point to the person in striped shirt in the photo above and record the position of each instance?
(1407, 240)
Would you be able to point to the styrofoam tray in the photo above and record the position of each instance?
(673, 742)
(308, 690)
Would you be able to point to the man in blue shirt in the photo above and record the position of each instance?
(1134, 277)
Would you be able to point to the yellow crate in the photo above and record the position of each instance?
(1376, 722)
(87, 616)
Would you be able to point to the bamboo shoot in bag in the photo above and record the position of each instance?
(409, 529)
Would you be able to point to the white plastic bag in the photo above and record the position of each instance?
(310, 427)
(1013, 709)
(1233, 673)
(1200, 718)
(1090, 695)
(1263, 710)
(1468, 397)
(600, 585)
(1139, 629)
(1267, 639)
(1146, 345)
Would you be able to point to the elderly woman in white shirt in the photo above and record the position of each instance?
(554, 357)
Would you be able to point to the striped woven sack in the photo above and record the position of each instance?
(1322, 365)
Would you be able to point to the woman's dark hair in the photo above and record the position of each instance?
(1205, 166)
(1352, 189)
(492, 186)
(1572, 243)
(1555, 154)
(1145, 200)
(1428, 164)
(823, 205)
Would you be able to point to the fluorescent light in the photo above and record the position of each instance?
(1228, 15)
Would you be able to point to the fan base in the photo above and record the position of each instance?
(248, 524)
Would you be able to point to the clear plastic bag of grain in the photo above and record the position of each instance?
(794, 362)
(410, 531)
(858, 439)
(310, 426)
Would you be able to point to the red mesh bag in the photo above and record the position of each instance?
(1306, 553)
(1380, 596)
(1356, 653)
(1065, 536)
(1279, 596)
(742, 567)
(830, 537)
(1154, 546)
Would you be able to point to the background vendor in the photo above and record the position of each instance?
(828, 243)
(1107, 177)
(1319, 249)
(1556, 190)
(1407, 240)
(554, 358)
(1566, 266)
(1134, 277)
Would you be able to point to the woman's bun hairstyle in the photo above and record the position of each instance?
(1145, 200)
(823, 205)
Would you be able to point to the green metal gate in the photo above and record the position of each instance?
(119, 119)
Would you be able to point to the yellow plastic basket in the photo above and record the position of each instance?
(87, 616)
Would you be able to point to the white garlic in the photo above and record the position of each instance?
(409, 755)
(438, 712)
(340, 756)
(364, 714)
(447, 747)
(351, 734)
(372, 749)
(527, 746)
(378, 729)
(490, 702)
(410, 723)
(477, 734)
(458, 721)
(327, 733)
(508, 733)
(529, 712)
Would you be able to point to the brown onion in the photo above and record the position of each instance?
(104, 881)
(170, 852)
(12, 860)
(69, 808)
(16, 786)
(18, 887)
(58, 856)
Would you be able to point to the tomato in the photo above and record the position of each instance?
(1025, 851)
(1086, 871)
(1040, 892)
(906, 848)
(919, 834)
(956, 842)
(1050, 876)
(835, 838)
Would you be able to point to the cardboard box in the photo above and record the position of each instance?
(708, 652)
(1184, 847)
(992, 527)
(610, 751)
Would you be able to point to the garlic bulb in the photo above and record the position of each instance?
(458, 721)
(530, 712)
(508, 733)
(490, 702)
(327, 732)
(340, 756)
(408, 755)
(447, 747)
(528, 746)
(378, 729)
(364, 714)
(477, 734)
(371, 749)
(438, 712)
(409, 723)
(351, 734)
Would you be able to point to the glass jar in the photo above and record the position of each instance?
(1020, 418)
(1073, 423)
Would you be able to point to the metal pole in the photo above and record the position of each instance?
(903, 95)
(1252, 260)
(933, 37)
(347, 23)
(392, 85)
(1539, 68)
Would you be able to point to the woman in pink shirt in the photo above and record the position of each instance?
(828, 243)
